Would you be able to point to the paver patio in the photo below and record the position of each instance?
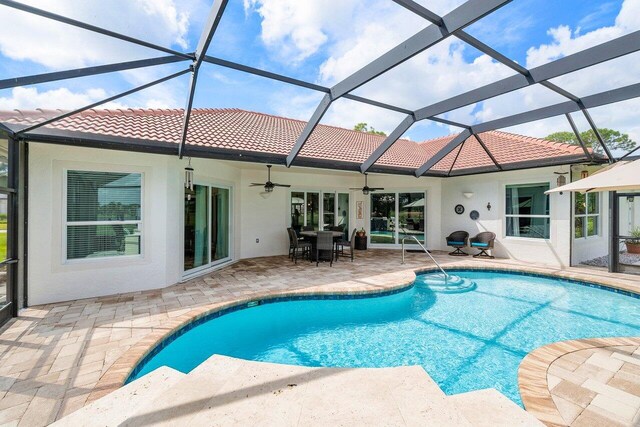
(52, 357)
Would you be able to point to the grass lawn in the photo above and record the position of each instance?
(3, 245)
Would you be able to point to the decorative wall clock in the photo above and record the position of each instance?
(459, 209)
(474, 215)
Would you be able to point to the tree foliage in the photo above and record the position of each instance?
(363, 127)
(614, 139)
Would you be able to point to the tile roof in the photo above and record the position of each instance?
(506, 148)
(236, 129)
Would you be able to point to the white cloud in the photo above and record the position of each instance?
(60, 46)
(64, 99)
(296, 29)
(441, 71)
(612, 74)
(33, 39)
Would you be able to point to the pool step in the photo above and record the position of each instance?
(270, 394)
(489, 408)
(179, 402)
(228, 391)
(116, 407)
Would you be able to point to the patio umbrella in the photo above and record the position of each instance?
(615, 177)
(415, 204)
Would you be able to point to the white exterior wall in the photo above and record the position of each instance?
(267, 219)
(253, 217)
(491, 188)
(587, 248)
(52, 279)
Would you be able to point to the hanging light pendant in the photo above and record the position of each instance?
(188, 180)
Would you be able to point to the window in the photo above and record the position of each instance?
(586, 219)
(527, 211)
(103, 214)
(307, 211)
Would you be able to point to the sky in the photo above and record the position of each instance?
(321, 41)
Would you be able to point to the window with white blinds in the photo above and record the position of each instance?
(103, 214)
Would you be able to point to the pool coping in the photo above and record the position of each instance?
(377, 285)
(532, 374)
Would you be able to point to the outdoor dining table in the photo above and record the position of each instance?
(312, 236)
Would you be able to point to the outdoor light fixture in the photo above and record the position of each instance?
(562, 179)
(488, 206)
(468, 194)
(188, 180)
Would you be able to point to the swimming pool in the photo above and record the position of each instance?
(465, 341)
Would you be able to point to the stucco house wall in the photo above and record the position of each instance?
(491, 188)
(258, 224)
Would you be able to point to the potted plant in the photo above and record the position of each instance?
(361, 240)
(633, 243)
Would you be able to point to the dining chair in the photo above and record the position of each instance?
(299, 246)
(324, 245)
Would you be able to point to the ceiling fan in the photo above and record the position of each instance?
(366, 189)
(268, 186)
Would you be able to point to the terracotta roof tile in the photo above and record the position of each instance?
(506, 148)
(237, 129)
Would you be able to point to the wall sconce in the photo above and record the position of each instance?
(468, 194)
(562, 179)
(489, 206)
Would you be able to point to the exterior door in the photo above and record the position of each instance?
(396, 216)
(8, 230)
(207, 231)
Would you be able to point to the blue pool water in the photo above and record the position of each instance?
(465, 341)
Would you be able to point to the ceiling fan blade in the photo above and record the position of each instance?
(375, 189)
(281, 185)
(359, 188)
(255, 184)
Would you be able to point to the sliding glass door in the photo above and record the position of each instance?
(411, 216)
(383, 218)
(206, 227)
(395, 216)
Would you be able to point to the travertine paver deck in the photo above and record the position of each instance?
(54, 357)
(584, 382)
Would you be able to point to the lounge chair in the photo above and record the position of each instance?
(458, 240)
(484, 242)
(351, 244)
(324, 244)
(299, 247)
